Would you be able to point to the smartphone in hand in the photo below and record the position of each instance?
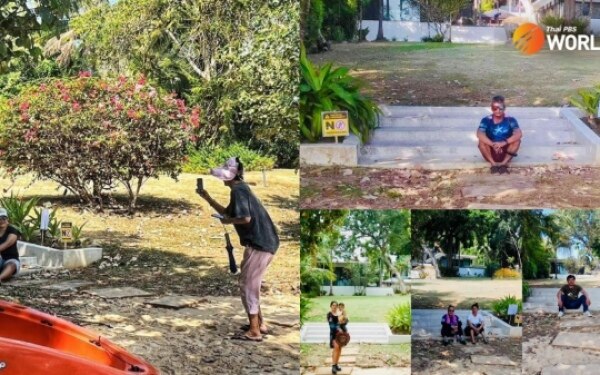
(218, 216)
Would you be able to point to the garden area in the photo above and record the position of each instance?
(109, 115)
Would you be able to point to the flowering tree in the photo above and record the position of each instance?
(91, 134)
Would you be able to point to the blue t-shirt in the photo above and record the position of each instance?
(498, 132)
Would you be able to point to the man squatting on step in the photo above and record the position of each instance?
(9, 262)
(568, 298)
(257, 234)
(499, 137)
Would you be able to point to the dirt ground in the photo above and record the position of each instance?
(172, 246)
(430, 357)
(363, 188)
(461, 74)
(539, 330)
(462, 293)
(370, 356)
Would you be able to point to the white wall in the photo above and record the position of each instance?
(471, 272)
(594, 25)
(414, 31)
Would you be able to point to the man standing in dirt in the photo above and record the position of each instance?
(499, 137)
(9, 262)
(568, 298)
(257, 234)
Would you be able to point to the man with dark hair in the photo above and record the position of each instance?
(257, 234)
(568, 297)
(9, 261)
(452, 327)
(499, 137)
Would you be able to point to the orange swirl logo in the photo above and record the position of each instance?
(529, 38)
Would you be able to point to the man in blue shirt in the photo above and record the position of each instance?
(499, 137)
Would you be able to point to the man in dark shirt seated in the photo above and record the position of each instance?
(568, 298)
(9, 263)
(499, 137)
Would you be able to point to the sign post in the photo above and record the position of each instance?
(512, 311)
(66, 232)
(335, 124)
(44, 222)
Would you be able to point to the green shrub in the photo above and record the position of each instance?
(437, 38)
(305, 306)
(400, 318)
(201, 160)
(327, 89)
(588, 101)
(526, 290)
(500, 308)
(580, 24)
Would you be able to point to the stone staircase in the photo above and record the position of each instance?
(372, 333)
(445, 138)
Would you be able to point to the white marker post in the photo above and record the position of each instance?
(512, 311)
(44, 222)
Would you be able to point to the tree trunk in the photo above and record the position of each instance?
(569, 10)
(430, 254)
(380, 36)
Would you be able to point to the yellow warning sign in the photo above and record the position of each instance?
(335, 124)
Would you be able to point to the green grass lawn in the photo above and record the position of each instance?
(359, 308)
(405, 73)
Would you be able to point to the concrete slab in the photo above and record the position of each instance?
(590, 369)
(496, 186)
(577, 340)
(25, 283)
(343, 359)
(492, 360)
(583, 321)
(351, 350)
(382, 371)
(69, 258)
(68, 285)
(177, 302)
(124, 292)
(327, 371)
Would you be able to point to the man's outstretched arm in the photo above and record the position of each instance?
(559, 298)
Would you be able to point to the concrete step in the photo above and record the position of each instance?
(453, 157)
(518, 112)
(29, 262)
(359, 332)
(587, 369)
(467, 123)
(468, 136)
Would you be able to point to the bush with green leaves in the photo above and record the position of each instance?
(437, 38)
(202, 159)
(333, 89)
(237, 60)
(305, 306)
(526, 290)
(500, 307)
(90, 134)
(588, 101)
(400, 318)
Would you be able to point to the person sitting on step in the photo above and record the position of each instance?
(475, 326)
(499, 137)
(452, 327)
(572, 296)
(9, 262)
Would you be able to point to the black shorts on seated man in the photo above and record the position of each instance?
(9, 262)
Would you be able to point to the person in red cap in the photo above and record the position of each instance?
(257, 234)
(9, 262)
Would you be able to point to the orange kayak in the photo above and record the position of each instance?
(32, 342)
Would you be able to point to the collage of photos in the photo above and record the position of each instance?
(300, 187)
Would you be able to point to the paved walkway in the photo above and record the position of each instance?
(368, 333)
(349, 366)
